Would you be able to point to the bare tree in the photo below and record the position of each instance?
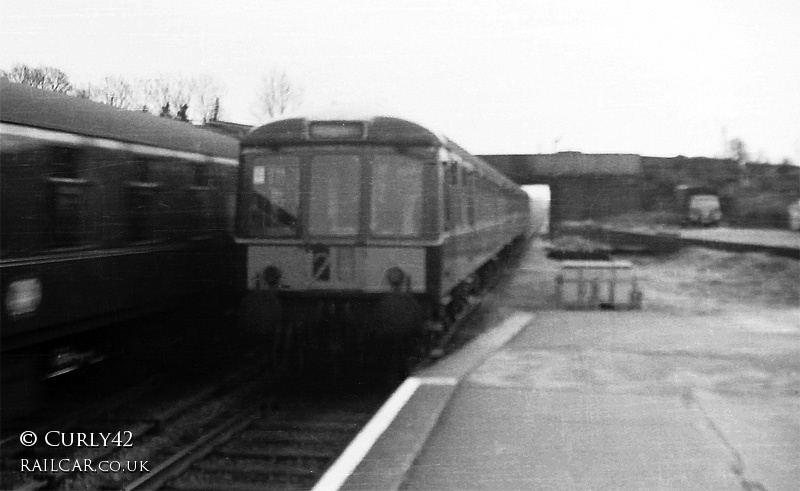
(184, 98)
(277, 95)
(738, 150)
(182, 114)
(114, 91)
(215, 111)
(205, 94)
(161, 92)
(165, 111)
(193, 98)
(43, 77)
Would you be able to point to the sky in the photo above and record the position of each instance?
(657, 78)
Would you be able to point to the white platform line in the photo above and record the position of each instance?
(338, 473)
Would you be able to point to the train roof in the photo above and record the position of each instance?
(377, 130)
(25, 105)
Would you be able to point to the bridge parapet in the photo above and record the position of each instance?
(538, 168)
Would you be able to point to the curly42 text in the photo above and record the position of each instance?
(70, 439)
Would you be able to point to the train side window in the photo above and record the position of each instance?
(67, 201)
(449, 191)
(492, 191)
(269, 205)
(64, 162)
(459, 214)
(491, 197)
(202, 176)
(68, 211)
(141, 211)
(335, 195)
(470, 193)
(201, 195)
(396, 196)
(481, 202)
(141, 202)
(141, 169)
(44, 203)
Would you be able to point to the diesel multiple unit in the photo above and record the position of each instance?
(377, 220)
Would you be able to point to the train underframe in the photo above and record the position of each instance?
(335, 332)
(345, 332)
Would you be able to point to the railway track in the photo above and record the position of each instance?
(285, 440)
(285, 444)
(127, 412)
(245, 432)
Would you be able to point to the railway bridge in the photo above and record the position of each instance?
(582, 186)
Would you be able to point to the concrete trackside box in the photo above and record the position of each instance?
(598, 284)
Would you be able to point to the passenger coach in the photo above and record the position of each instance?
(367, 221)
(107, 216)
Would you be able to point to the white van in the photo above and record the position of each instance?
(704, 209)
(794, 215)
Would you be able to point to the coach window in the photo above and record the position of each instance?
(470, 192)
(483, 208)
(459, 198)
(495, 198)
(450, 191)
(479, 206)
(271, 209)
(335, 183)
(396, 195)
(457, 187)
(482, 205)
(17, 154)
(141, 201)
(67, 201)
(201, 190)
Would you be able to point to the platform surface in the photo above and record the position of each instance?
(501, 438)
(583, 401)
(604, 400)
(699, 397)
(766, 237)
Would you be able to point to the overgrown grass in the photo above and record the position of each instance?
(576, 243)
(769, 210)
(740, 277)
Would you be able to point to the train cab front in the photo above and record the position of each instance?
(338, 231)
(347, 294)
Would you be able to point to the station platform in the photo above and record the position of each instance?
(684, 394)
(786, 239)
(531, 405)
(781, 242)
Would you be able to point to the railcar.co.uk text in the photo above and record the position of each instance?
(84, 465)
